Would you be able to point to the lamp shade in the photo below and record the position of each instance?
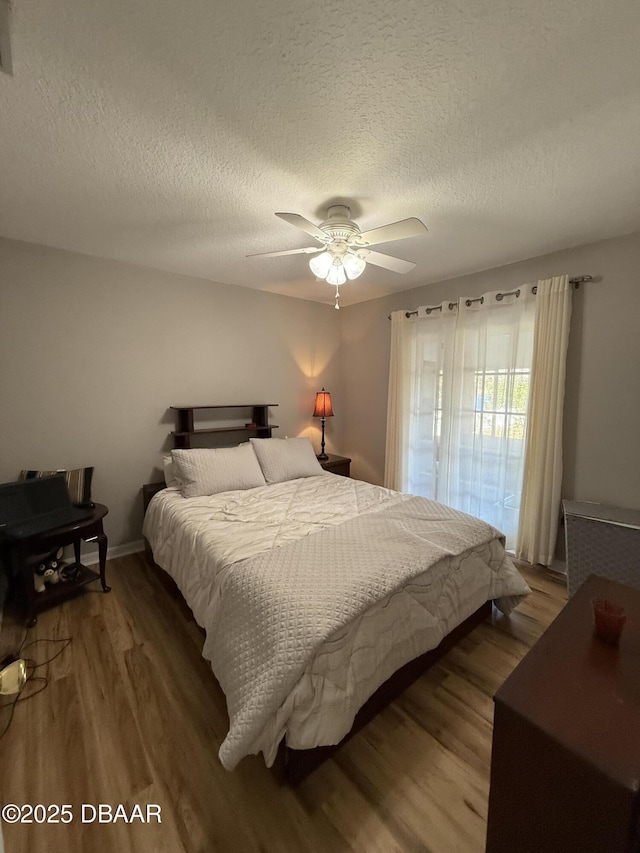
(323, 405)
(321, 264)
(336, 274)
(353, 265)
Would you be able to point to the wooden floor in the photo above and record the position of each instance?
(133, 715)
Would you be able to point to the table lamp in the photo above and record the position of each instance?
(323, 410)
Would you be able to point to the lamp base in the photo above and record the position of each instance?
(322, 457)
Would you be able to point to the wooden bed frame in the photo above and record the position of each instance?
(293, 765)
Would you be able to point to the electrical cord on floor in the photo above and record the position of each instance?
(31, 666)
(65, 640)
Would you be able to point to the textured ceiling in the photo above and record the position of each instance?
(168, 133)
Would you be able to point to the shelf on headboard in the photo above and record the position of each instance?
(232, 406)
(186, 427)
(253, 428)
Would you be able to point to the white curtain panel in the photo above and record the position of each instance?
(420, 344)
(540, 509)
(430, 392)
(396, 462)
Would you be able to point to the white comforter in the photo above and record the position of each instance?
(314, 591)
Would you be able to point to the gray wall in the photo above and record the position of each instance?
(93, 353)
(602, 401)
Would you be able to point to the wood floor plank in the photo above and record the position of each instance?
(133, 714)
(362, 827)
(398, 802)
(206, 812)
(408, 778)
(456, 794)
(456, 725)
(109, 717)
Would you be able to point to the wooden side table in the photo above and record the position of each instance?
(566, 752)
(337, 465)
(23, 555)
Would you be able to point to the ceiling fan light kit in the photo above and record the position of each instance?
(346, 252)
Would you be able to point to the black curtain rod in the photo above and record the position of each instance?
(576, 281)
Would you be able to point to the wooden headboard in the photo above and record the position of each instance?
(182, 437)
(149, 490)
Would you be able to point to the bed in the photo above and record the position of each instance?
(320, 596)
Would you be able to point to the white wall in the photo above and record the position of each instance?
(93, 353)
(602, 402)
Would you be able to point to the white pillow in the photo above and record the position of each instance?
(207, 471)
(286, 458)
(170, 476)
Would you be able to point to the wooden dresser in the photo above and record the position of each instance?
(565, 767)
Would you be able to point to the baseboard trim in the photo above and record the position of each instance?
(556, 565)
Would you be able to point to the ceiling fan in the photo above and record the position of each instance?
(345, 248)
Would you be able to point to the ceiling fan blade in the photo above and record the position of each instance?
(306, 251)
(394, 231)
(388, 262)
(300, 222)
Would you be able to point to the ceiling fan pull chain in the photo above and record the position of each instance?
(337, 305)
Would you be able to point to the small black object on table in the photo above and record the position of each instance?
(22, 556)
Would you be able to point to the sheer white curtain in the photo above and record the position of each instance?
(485, 446)
(421, 351)
(399, 408)
(433, 353)
(459, 386)
(543, 470)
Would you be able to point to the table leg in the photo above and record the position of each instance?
(23, 575)
(102, 554)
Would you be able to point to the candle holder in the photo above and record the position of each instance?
(608, 620)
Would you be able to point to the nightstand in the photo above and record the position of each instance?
(336, 465)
